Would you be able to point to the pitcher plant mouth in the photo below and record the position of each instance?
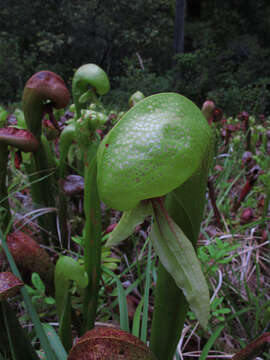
(22, 139)
(41, 88)
(49, 86)
(88, 81)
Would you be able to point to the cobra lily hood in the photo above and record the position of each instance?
(155, 147)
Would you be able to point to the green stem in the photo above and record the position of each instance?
(43, 189)
(33, 111)
(3, 188)
(169, 312)
(92, 244)
(66, 139)
(267, 199)
(63, 219)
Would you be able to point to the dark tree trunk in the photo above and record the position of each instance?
(179, 26)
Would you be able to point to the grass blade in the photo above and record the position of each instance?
(216, 333)
(134, 285)
(123, 309)
(211, 342)
(55, 342)
(19, 343)
(146, 295)
(137, 320)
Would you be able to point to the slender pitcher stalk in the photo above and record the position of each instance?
(42, 87)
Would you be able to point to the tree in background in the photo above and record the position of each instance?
(180, 10)
(62, 35)
(225, 54)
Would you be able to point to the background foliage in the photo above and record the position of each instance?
(225, 54)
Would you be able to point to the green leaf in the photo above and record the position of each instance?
(202, 254)
(86, 96)
(226, 260)
(137, 320)
(18, 341)
(49, 300)
(178, 256)
(129, 220)
(212, 251)
(224, 311)
(30, 290)
(123, 309)
(217, 302)
(37, 282)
